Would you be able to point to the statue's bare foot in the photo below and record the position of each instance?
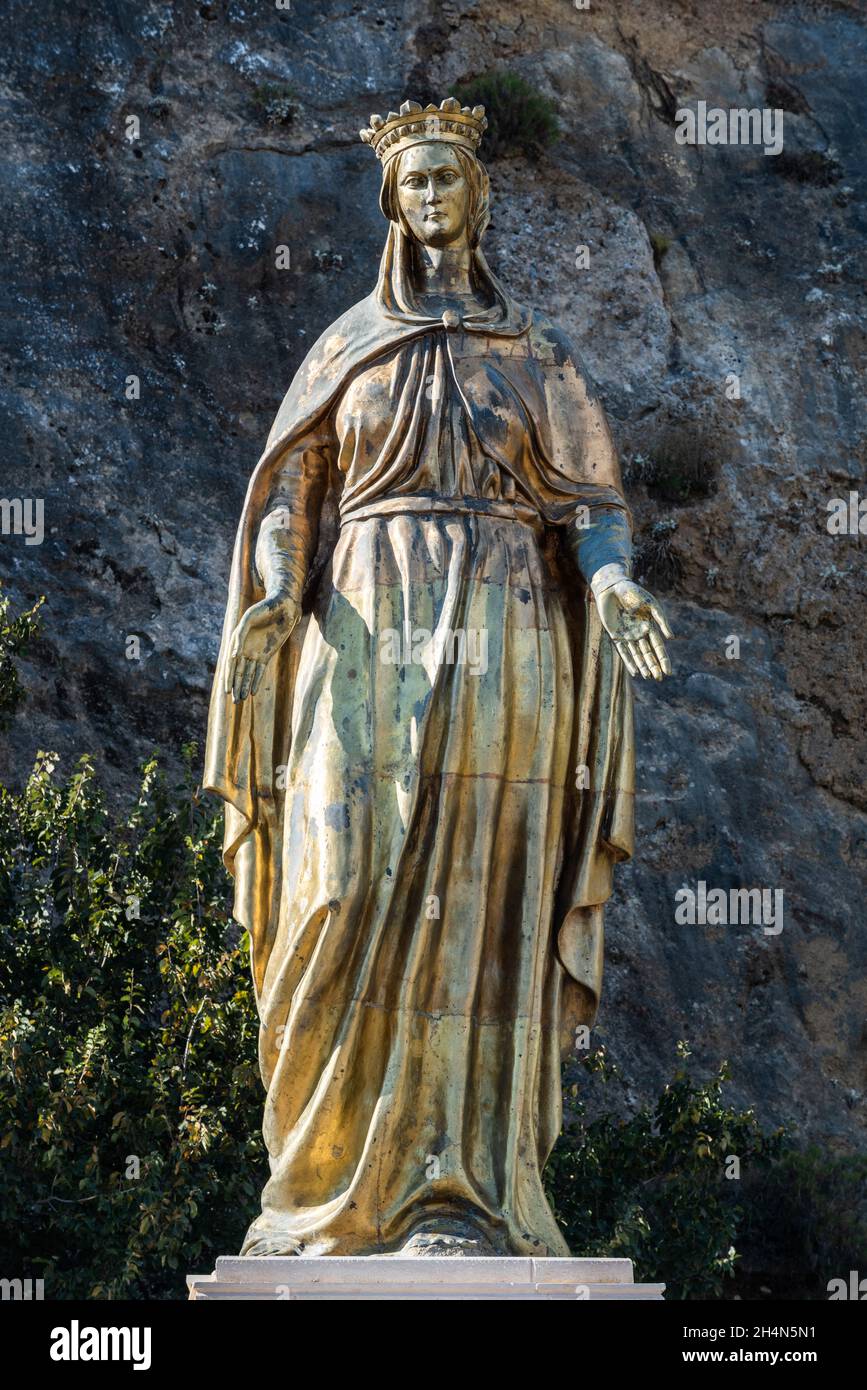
(443, 1243)
(269, 1245)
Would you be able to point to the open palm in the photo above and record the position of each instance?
(636, 625)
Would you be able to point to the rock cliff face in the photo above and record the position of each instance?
(721, 311)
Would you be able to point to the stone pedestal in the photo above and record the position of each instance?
(429, 1278)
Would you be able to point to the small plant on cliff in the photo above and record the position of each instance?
(657, 564)
(660, 246)
(277, 102)
(520, 119)
(16, 634)
(681, 467)
(807, 166)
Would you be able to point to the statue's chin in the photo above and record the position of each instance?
(437, 238)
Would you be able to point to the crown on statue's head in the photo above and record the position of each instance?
(451, 122)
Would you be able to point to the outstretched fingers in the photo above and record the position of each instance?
(643, 652)
(623, 653)
(659, 651)
(650, 657)
(638, 659)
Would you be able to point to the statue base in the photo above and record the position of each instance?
(427, 1277)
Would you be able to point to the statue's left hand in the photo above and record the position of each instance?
(636, 625)
(260, 633)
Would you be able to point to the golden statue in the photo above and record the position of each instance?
(421, 726)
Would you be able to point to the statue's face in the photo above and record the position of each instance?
(433, 193)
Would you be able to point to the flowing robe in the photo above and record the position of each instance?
(435, 777)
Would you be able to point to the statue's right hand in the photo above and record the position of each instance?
(260, 633)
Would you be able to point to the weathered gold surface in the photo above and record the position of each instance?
(422, 833)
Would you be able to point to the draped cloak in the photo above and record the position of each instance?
(531, 372)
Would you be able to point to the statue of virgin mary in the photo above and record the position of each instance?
(421, 727)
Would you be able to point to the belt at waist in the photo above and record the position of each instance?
(465, 506)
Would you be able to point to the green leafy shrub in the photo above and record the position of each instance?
(130, 1101)
(653, 1188)
(520, 119)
